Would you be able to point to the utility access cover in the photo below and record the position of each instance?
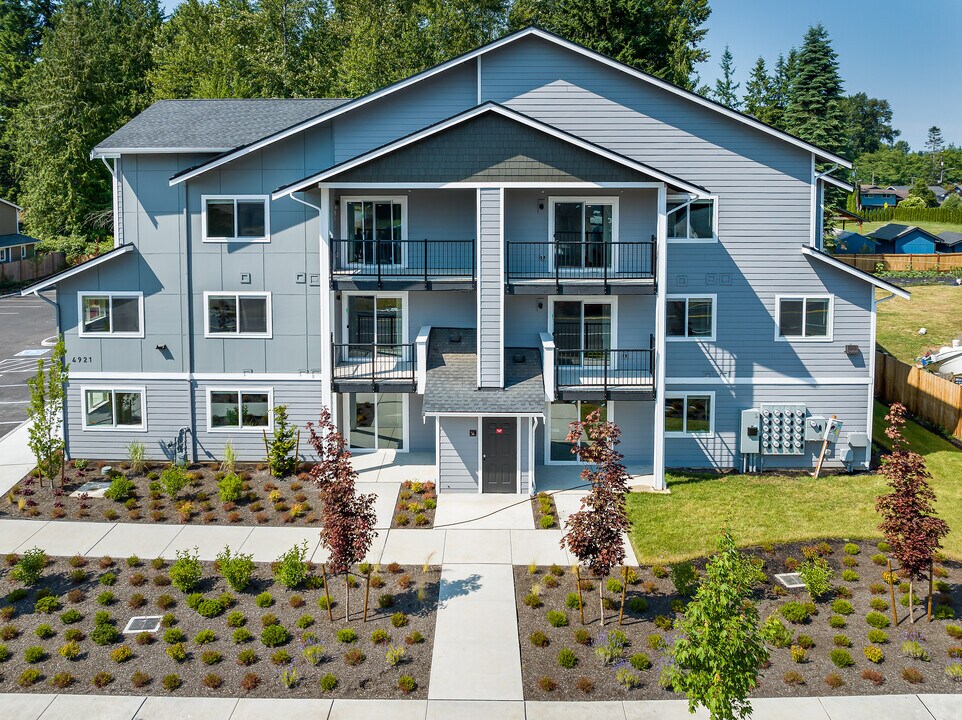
(95, 488)
(793, 581)
(32, 352)
(142, 623)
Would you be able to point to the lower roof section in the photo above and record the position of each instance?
(452, 378)
(77, 269)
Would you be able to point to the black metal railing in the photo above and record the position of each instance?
(374, 362)
(588, 259)
(606, 368)
(423, 260)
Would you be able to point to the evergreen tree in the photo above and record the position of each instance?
(814, 109)
(782, 88)
(934, 145)
(920, 190)
(868, 124)
(760, 99)
(660, 37)
(725, 86)
(89, 81)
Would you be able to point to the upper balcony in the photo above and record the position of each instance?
(372, 263)
(580, 264)
(367, 367)
(598, 373)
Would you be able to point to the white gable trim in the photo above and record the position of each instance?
(13, 205)
(838, 183)
(488, 107)
(477, 53)
(83, 267)
(845, 267)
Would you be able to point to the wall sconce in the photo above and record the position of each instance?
(540, 304)
(540, 204)
(162, 348)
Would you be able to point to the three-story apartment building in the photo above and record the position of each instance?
(462, 263)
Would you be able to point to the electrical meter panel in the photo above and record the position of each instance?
(750, 435)
(815, 428)
(783, 429)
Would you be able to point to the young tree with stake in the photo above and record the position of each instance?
(595, 534)
(348, 517)
(46, 412)
(909, 522)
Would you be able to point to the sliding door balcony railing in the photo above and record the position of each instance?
(605, 370)
(395, 263)
(374, 364)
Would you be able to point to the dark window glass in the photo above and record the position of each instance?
(675, 318)
(790, 317)
(250, 219)
(816, 317)
(129, 408)
(220, 218)
(223, 409)
(96, 313)
(253, 315)
(674, 415)
(126, 314)
(699, 317)
(698, 414)
(701, 219)
(255, 410)
(222, 314)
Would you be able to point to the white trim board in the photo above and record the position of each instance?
(477, 53)
(774, 381)
(311, 376)
(844, 267)
(83, 267)
(113, 389)
(488, 107)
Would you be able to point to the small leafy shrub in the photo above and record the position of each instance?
(795, 612)
(236, 568)
(914, 650)
(173, 479)
(29, 677)
(879, 559)
(29, 567)
(46, 605)
(849, 575)
(584, 685)
(877, 603)
(627, 678)
(567, 658)
(954, 672)
(246, 657)
(328, 683)
(171, 682)
(685, 578)
(954, 631)
(655, 642)
(204, 637)
(943, 612)
(304, 621)
(394, 656)
(212, 681)
(662, 622)
(414, 638)
(639, 661)
(842, 607)
(834, 680)
(547, 684)
(104, 634)
(836, 622)
(874, 654)
(230, 488)
(659, 571)
(34, 654)
(274, 635)
(406, 684)
(572, 601)
(912, 675)
(121, 654)
(62, 680)
(314, 654)
(139, 679)
(817, 576)
(844, 591)
(354, 657)
(44, 631)
(539, 639)
(250, 682)
(851, 549)
(532, 600)
(842, 640)
(841, 658)
(346, 635)
(805, 642)
(636, 604)
(186, 572)
(877, 620)
(264, 600)
(798, 654)
(877, 636)
(290, 569)
(613, 585)
(556, 618)
(173, 635)
(775, 632)
(210, 657)
(793, 677)
(281, 657)
(177, 652)
(69, 650)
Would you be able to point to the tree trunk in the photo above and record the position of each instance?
(911, 604)
(601, 601)
(928, 615)
(347, 596)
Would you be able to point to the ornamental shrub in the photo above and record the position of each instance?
(878, 636)
(556, 618)
(230, 488)
(874, 654)
(567, 658)
(685, 578)
(121, 488)
(836, 622)
(639, 661)
(795, 612)
(775, 632)
(817, 576)
(185, 573)
(877, 620)
(841, 658)
(842, 607)
(236, 568)
(290, 569)
(328, 683)
(29, 567)
(274, 635)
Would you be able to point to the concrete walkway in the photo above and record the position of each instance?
(15, 458)
(104, 707)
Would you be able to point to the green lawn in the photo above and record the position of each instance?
(937, 308)
(773, 508)
(933, 227)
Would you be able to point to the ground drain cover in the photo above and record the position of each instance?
(92, 489)
(792, 581)
(143, 623)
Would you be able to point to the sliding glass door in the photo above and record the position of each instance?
(374, 232)
(582, 331)
(583, 233)
(376, 421)
(374, 320)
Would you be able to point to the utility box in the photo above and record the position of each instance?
(815, 428)
(834, 430)
(783, 429)
(858, 439)
(750, 436)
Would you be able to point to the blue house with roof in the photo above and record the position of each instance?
(904, 240)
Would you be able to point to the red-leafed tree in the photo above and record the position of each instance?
(909, 522)
(348, 517)
(595, 534)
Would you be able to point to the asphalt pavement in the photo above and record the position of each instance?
(24, 324)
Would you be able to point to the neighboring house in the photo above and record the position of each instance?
(461, 264)
(850, 243)
(13, 244)
(949, 242)
(873, 196)
(903, 240)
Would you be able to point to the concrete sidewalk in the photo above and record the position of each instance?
(104, 707)
(15, 458)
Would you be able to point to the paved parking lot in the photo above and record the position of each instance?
(24, 324)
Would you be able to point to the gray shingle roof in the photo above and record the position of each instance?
(212, 125)
(16, 239)
(452, 377)
(950, 238)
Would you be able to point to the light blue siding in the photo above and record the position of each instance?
(490, 289)
(458, 454)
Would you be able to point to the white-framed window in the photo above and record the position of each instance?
(690, 317)
(689, 414)
(692, 219)
(237, 314)
(3, 254)
(114, 408)
(373, 230)
(560, 416)
(240, 409)
(110, 314)
(804, 317)
(235, 218)
(582, 231)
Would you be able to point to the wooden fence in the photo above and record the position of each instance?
(923, 393)
(22, 271)
(940, 262)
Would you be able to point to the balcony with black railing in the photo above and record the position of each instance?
(378, 366)
(577, 263)
(429, 264)
(609, 373)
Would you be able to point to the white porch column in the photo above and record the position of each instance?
(326, 302)
(661, 280)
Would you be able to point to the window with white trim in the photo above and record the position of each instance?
(3, 254)
(804, 317)
(115, 314)
(244, 218)
(230, 409)
(689, 414)
(691, 220)
(562, 414)
(239, 314)
(690, 317)
(114, 409)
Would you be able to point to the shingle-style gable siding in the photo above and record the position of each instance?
(491, 148)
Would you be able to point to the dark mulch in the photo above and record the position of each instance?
(416, 505)
(543, 506)
(644, 635)
(266, 500)
(371, 678)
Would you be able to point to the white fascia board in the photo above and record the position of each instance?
(838, 183)
(96, 153)
(867, 277)
(537, 32)
(83, 267)
(13, 205)
(488, 107)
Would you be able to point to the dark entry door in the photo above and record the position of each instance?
(499, 450)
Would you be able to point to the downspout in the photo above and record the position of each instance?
(191, 382)
(817, 208)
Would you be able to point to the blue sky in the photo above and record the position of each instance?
(906, 51)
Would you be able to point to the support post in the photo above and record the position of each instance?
(895, 614)
(928, 615)
(581, 603)
(624, 589)
(330, 612)
(367, 591)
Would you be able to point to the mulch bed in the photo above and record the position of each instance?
(545, 511)
(266, 500)
(648, 631)
(414, 590)
(416, 505)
